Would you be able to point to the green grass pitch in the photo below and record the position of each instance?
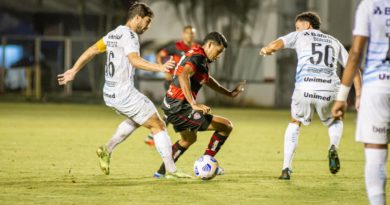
(47, 156)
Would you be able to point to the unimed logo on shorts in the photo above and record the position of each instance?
(316, 96)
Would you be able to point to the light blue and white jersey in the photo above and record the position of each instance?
(119, 72)
(373, 21)
(318, 54)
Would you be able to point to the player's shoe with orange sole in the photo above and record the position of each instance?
(149, 140)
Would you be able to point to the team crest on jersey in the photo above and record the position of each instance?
(196, 116)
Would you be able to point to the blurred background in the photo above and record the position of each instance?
(41, 38)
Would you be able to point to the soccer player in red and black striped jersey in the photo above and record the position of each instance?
(175, 51)
(180, 106)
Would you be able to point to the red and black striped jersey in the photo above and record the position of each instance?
(197, 60)
(177, 50)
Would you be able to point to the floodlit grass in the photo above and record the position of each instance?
(47, 156)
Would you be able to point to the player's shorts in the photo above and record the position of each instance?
(189, 119)
(304, 103)
(374, 117)
(137, 108)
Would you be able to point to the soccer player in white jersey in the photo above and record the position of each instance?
(372, 26)
(315, 86)
(122, 48)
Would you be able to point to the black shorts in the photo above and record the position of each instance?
(189, 119)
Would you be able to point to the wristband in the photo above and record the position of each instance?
(342, 95)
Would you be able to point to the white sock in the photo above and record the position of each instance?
(290, 144)
(122, 132)
(375, 175)
(335, 131)
(163, 145)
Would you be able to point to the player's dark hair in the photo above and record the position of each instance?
(216, 37)
(311, 17)
(140, 9)
(188, 27)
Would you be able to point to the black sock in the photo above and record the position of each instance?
(177, 151)
(215, 144)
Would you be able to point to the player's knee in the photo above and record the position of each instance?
(229, 126)
(188, 142)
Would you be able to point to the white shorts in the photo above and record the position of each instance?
(304, 103)
(137, 107)
(373, 117)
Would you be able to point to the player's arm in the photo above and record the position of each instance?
(184, 80)
(357, 83)
(215, 85)
(143, 64)
(272, 47)
(88, 55)
(353, 65)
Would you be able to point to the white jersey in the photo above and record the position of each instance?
(373, 21)
(119, 73)
(318, 54)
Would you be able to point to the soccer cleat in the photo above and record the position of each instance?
(220, 171)
(149, 140)
(158, 175)
(104, 159)
(177, 175)
(334, 161)
(286, 173)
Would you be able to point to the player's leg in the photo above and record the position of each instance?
(372, 129)
(301, 112)
(187, 139)
(335, 129)
(124, 130)
(149, 139)
(375, 172)
(222, 128)
(291, 136)
(162, 140)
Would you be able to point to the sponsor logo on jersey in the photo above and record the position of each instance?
(327, 71)
(379, 11)
(384, 76)
(115, 36)
(316, 96)
(317, 80)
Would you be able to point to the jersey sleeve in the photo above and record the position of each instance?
(362, 22)
(290, 40)
(343, 55)
(130, 43)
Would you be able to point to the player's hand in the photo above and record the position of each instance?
(200, 107)
(240, 88)
(265, 52)
(357, 103)
(169, 65)
(66, 77)
(339, 108)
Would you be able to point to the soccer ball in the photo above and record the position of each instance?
(206, 167)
